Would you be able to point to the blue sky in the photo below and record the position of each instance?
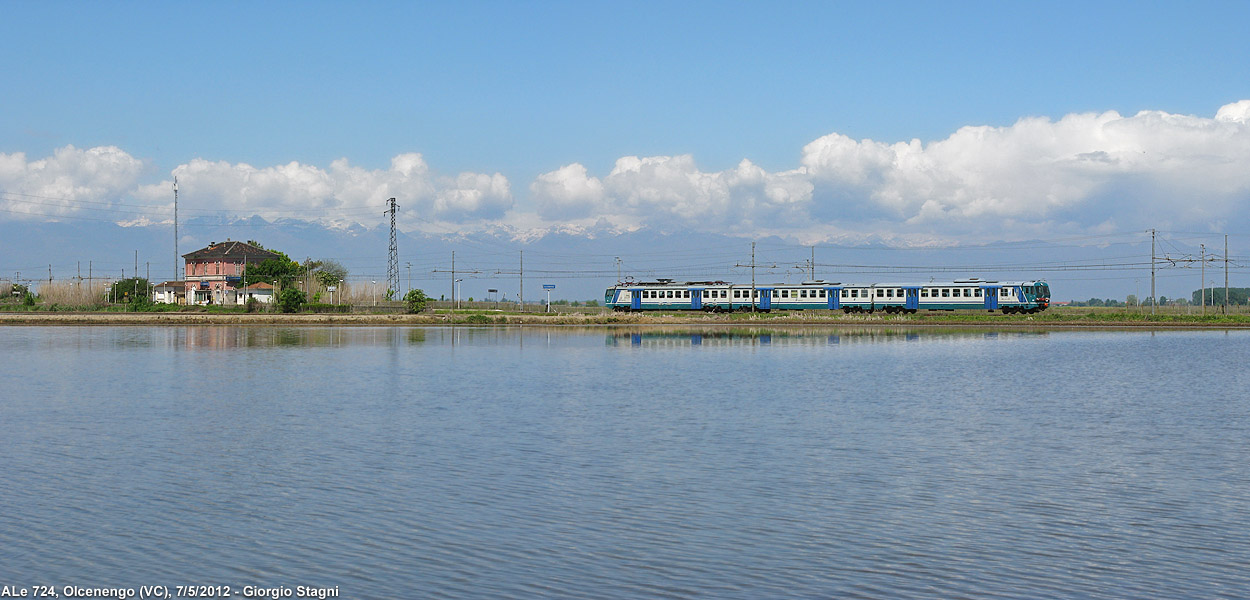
(524, 88)
(906, 123)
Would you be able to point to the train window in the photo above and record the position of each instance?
(1002, 292)
(977, 292)
(924, 292)
(845, 293)
(724, 293)
(737, 293)
(802, 293)
(822, 293)
(967, 293)
(946, 293)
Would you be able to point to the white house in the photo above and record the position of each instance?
(261, 291)
(169, 292)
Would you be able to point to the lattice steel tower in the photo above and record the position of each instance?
(392, 267)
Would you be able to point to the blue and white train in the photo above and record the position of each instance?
(1009, 297)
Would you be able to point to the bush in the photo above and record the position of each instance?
(290, 300)
(416, 301)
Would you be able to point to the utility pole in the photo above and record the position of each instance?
(1226, 273)
(521, 296)
(392, 265)
(1153, 301)
(176, 278)
(618, 270)
(49, 277)
(136, 271)
(409, 276)
(753, 265)
(813, 263)
(454, 294)
(752, 277)
(1204, 279)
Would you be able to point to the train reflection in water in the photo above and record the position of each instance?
(685, 338)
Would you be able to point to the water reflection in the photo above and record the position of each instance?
(229, 336)
(805, 336)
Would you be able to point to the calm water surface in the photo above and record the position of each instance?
(628, 463)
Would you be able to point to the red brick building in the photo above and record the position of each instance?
(213, 273)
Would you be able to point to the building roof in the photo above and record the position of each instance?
(229, 250)
(259, 285)
(171, 284)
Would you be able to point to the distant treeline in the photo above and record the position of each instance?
(1215, 297)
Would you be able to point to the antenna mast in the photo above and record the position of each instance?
(176, 278)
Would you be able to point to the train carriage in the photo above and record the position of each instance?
(720, 296)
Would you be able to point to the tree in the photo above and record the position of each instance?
(326, 271)
(290, 300)
(131, 291)
(1131, 300)
(282, 270)
(416, 301)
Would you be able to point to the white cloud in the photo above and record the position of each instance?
(1082, 172)
(1181, 168)
(1087, 171)
(344, 191)
(671, 192)
(68, 182)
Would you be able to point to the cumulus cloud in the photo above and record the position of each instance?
(672, 192)
(70, 181)
(105, 183)
(1088, 172)
(1178, 167)
(341, 191)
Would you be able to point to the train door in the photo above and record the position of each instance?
(635, 299)
(991, 297)
(766, 298)
(835, 300)
(696, 298)
(912, 295)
